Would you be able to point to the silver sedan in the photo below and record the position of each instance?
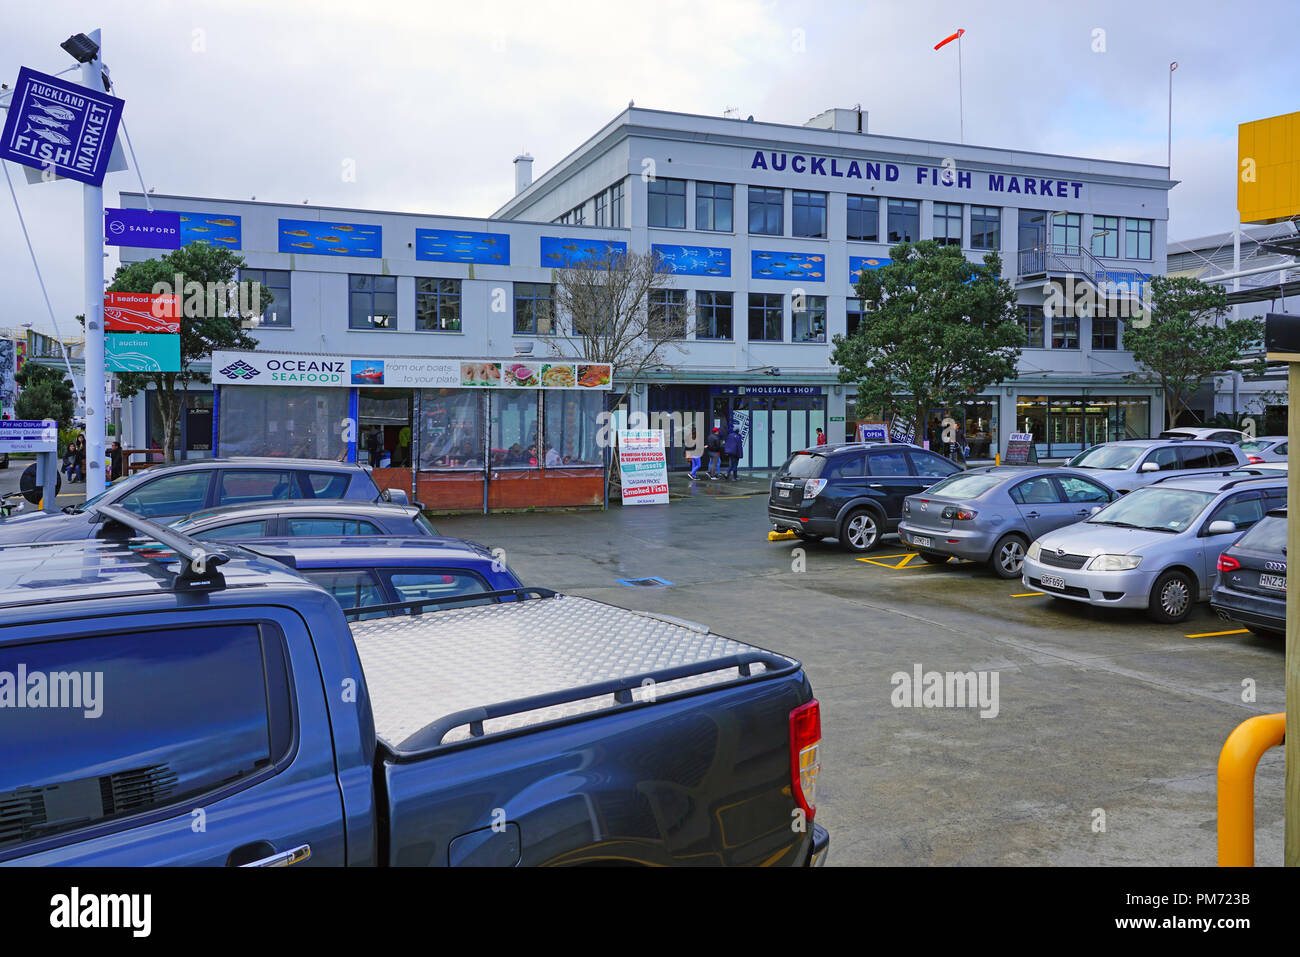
(992, 514)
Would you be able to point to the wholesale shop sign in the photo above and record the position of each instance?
(643, 466)
(59, 126)
(305, 369)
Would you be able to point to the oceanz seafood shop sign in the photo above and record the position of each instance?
(287, 369)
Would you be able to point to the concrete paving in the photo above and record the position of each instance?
(1105, 720)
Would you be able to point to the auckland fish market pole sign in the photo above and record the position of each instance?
(60, 126)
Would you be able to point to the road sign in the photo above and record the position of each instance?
(139, 227)
(150, 352)
(64, 127)
(28, 435)
(142, 312)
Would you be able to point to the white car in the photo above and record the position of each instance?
(1265, 448)
(1231, 436)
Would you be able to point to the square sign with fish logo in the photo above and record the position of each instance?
(452, 246)
(209, 229)
(61, 126)
(773, 264)
(331, 239)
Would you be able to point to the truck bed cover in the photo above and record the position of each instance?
(442, 677)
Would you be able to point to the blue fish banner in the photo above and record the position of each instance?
(560, 252)
(331, 239)
(694, 260)
(210, 229)
(455, 246)
(859, 263)
(61, 126)
(771, 264)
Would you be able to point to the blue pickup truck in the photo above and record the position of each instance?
(217, 708)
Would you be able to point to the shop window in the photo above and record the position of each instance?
(451, 429)
(985, 227)
(713, 206)
(301, 423)
(808, 214)
(666, 203)
(766, 211)
(766, 317)
(437, 304)
(534, 308)
(572, 424)
(713, 315)
(864, 218)
(514, 430)
(947, 224)
(277, 313)
(808, 324)
(384, 427)
(372, 302)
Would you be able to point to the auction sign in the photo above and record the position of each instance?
(59, 126)
(142, 312)
(643, 466)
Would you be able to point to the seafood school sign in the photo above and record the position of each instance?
(63, 127)
(643, 466)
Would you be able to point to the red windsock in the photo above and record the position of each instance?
(949, 39)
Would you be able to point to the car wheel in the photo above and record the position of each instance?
(934, 558)
(1172, 598)
(1008, 556)
(808, 537)
(861, 530)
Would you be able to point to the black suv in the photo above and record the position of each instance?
(852, 492)
(1251, 587)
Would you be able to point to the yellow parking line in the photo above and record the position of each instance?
(1220, 634)
(1029, 594)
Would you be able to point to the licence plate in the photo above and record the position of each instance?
(783, 493)
(921, 540)
(1273, 581)
(1051, 581)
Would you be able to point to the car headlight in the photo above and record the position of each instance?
(1034, 550)
(1114, 563)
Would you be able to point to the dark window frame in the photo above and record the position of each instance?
(710, 309)
(766, 201)
(808, 211)
(986, 227)
(764, 309)
(867, 222)
(531, 302)
(709, 204)
(444, 294)
(902, 213)
(372, 287)
(666, 202)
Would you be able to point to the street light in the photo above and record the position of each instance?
(81, 48)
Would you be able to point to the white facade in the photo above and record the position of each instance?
(1066, 385)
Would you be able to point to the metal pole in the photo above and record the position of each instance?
(93, 214)
(1291, 856)
(1169, 141)
(961, 99)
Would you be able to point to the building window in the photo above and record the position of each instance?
(853, 316)
(713, 204)
(1032, 229)
(534, 308)
(572, 423)
(766, 317)
(602, 208)
(1066, 231)
(809, 323)
(578, 215)
(372, 302)
(277, 314)
(808, 212)
(766, 211)
(514, 429)
(667, 313)
(904, 220)
(666, 203)
(1065, 332)
(985, 227)
(616, 205)
(947, 224)
(864, 218)
(1105, 237)
(437, 304)
(1105, 332)
(1031, 320)
(451, 429)
(1137, 239)
(712, 315)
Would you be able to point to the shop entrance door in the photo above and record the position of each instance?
(773, 426)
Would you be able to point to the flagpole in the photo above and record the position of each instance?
(1169, 142)
(961, 100)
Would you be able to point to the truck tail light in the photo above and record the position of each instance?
(1228, 564)
(805, 755)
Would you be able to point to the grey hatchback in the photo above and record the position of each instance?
(991, 514)
(305, 519)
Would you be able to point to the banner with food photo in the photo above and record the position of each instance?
(595, 376)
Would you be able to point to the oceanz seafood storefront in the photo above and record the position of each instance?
(455, 434)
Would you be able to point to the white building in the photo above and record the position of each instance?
(740, 209)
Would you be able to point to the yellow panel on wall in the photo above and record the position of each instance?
(1268, 169)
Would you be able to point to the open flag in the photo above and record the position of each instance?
(949, 39)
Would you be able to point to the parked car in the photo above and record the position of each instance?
(991, 514)
(298, 518)
(169, 492)
(1251, 589)
(1206, 434)
(1157, 548)
(541, 730)
(852, 492)
(1134, 463)
(1265, 448)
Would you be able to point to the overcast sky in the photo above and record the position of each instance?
(432, 100)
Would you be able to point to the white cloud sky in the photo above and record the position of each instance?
(433, 99)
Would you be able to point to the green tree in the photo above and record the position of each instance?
(934, 329)
(44, 392)
(1187, 338)
(211, 305)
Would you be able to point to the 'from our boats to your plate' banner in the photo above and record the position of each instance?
(398, 372)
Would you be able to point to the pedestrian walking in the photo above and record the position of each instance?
(714, 445)
(821, 437)
(734, 447)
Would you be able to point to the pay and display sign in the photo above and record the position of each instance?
(64, 127)
(28, 435)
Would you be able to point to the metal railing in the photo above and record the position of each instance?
(1237, 763)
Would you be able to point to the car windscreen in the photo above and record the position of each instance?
(1157, 509)
(1257, 445)
(1268, 535)
(971, 485)
(804, 465)
(1117, 457)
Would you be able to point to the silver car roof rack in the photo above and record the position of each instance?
(199, 563)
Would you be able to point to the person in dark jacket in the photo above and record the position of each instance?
(714, 446)
(734, 447)
(115, 461)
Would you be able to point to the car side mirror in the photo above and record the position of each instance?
(1221, 528)
(396, 496)
(1149, 467)
(1094, 510)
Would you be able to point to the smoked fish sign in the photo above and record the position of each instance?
(64, 127)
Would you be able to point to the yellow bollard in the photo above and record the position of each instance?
(997, 458)
(780, 536)
(1237, 763)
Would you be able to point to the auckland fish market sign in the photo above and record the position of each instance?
(60, 126)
